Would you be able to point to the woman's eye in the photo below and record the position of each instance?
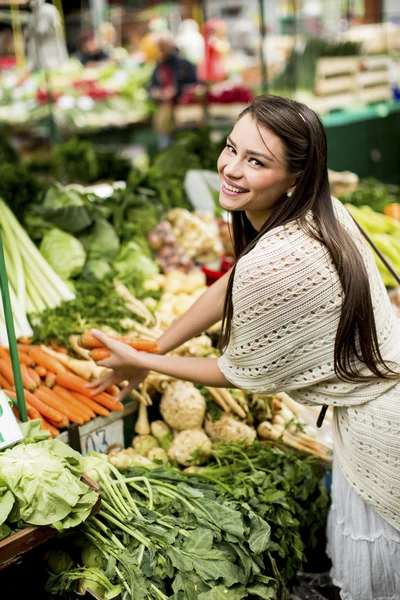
(256, 162)
(230, 148)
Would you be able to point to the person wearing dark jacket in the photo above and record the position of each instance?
(169, 79)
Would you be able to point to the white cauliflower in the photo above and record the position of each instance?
(227, 429)
(182, 406)
(187, 442)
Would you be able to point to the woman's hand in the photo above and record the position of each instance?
(126, 363)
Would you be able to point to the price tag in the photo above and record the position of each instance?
(100, 439)
(10, 432)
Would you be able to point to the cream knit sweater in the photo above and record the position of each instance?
(286, 306)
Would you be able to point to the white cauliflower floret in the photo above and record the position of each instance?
(187, 442)
(182, 406)
(227, 429)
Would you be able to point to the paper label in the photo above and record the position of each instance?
(100, 439)
(10, 432)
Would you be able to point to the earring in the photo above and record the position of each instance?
(289, 194)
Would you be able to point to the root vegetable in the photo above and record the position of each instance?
(162, 433)
(142, 424)
(227, 429)
(182, 406)
(186, 443)
(157, 455)
(143, 443)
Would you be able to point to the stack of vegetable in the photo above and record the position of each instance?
(53, 392)
(41, 484)
(385, 233)
(34, 285)
(231, 532)
(194, 418)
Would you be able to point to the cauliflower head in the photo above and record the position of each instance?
(182, 406)
(187, 442)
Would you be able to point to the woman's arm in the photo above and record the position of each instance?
(204, 371)
(204, 313)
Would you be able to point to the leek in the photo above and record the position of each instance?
(34, 286)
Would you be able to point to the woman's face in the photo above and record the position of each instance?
(253, 171)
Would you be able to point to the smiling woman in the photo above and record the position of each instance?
(304, 310)
(253, 171)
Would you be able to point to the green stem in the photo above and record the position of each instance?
(120, 479)
(114, 495)
(137, 536)
(158, 592)
(111, 535)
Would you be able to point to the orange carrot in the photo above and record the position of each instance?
(74, 383)
(100, 353)
(113, 390)
(33, 375)
(25, 359)
(89, 341)
(16, 412)
(4, 383)
(54, 401)
(25, 340)
(45, 360)
(68, 396)
(54, 432)
(108, 401)
(49, 413)
(6, 371)
(4, 353)
(27, 380)
(50, 379)
(23, 347)
(58, 348)
(97, 408)
(41, 371)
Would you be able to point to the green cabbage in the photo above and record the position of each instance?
(133, 267)
(64, 253)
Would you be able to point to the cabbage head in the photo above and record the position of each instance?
(64, 253)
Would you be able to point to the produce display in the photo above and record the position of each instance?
(236, 529)
(219, 493)
(28, 494)
(83, 98)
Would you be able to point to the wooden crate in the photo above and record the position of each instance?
(341, 82)
(14, 546)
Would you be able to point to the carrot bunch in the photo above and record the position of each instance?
(98, 351)
(52, 392)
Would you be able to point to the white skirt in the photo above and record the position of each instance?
(363, 547)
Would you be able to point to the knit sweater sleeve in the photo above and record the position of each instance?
(286, 307)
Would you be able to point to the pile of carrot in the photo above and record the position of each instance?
(98, 350)
(52, 392)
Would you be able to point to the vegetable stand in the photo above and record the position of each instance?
(13, 546)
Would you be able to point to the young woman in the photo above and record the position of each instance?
(304, 311)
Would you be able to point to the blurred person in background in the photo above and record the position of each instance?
(90, 51)
(212, 68)
(149, 43)
(168, 81)
(190, 41)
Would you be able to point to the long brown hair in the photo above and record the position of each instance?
(304, 141)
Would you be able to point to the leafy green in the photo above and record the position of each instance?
(40, 484)
(75, 161)
(374, 194)
(65, 208)
(133, 267)
(18, 187)
(64, 252)
(95, 304)
(97, 270)
(103, 241)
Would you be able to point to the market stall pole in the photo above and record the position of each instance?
(263, 60)
(17, 33)
(12, 341)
